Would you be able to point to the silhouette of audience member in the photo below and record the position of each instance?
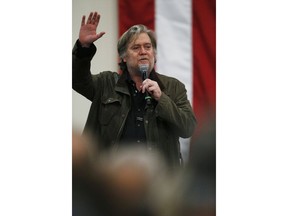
(115, 183)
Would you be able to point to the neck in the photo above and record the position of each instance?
(136, 77)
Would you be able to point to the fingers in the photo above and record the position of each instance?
(83, 20)
(153, 88)
(90, 18)
(149, 85)
(93, 19)
(100, 35)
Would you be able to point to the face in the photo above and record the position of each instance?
(140, 51)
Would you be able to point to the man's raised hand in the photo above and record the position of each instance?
(88, 31)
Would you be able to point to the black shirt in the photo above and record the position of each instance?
(134, 131)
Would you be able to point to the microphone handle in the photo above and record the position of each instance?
(147, 96)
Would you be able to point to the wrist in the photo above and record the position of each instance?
(84, 45)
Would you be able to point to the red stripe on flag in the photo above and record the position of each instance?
(204, 74)
(204, 60)
(135, 12)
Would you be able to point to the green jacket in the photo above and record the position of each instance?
(170, 119)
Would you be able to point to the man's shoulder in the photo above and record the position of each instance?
(108, 73)
(167, 78)
(106, 76)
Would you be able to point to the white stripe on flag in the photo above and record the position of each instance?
(173, 26)
(174, 37)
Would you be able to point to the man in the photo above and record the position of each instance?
(137, 107)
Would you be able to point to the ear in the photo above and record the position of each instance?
(155, 58)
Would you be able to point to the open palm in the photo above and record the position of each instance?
(88, 31)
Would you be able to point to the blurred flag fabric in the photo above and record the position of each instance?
(186, 39)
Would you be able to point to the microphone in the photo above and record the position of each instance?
(143, 68)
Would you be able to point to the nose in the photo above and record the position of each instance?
(143, 50)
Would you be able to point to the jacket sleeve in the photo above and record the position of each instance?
(176, 110)
(82, 81)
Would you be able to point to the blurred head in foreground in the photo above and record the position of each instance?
(115, 183)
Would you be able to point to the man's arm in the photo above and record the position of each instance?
(82, 54)
(81, 75)
(177, 111)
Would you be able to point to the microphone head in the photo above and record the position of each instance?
(143, 68)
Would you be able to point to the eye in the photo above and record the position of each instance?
(148, 46)
(135, 48)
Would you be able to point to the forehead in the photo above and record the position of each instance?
(140, 39)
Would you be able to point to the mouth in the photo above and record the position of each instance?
(144, 60)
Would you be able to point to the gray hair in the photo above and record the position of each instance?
(131, 34)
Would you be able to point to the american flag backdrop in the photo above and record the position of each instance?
(186, 36)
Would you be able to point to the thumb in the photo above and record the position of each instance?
(99, 35)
